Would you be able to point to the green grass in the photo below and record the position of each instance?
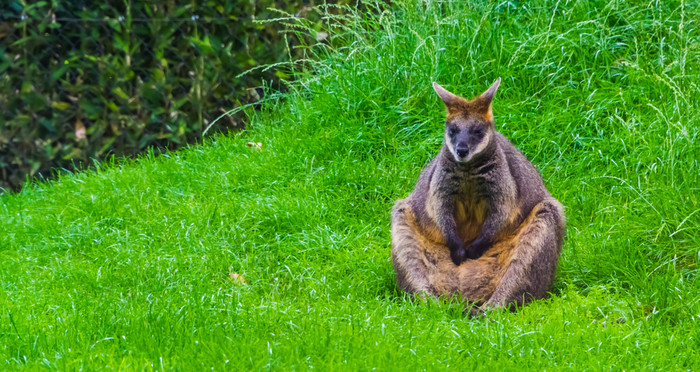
(128, 267)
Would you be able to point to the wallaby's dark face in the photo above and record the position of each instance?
(469, 126)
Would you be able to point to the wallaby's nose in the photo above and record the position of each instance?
(462, 150)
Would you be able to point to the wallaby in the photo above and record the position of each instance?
(480, 221)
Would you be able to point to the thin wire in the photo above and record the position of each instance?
(190, 19)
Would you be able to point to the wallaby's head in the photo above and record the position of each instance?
(469, 125)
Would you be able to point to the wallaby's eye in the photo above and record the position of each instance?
(478, 132)
(451, 131)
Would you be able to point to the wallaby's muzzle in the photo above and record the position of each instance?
(462, 150)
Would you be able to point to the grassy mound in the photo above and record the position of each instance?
(236, 257)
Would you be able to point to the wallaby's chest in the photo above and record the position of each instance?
(469, 209)
(469, 213)
(466, 198)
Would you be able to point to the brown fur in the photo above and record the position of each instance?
(492, 205)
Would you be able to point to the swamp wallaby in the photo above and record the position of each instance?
(480, 221)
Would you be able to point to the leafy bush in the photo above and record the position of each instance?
(80, 82)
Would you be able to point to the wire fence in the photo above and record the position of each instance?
(83, 80)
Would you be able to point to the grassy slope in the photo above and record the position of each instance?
(128, 267)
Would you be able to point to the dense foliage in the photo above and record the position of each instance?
(82, 80)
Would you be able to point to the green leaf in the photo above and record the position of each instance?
(27, 87)
(61, 105)
(120, 93)
(113, 106)
(106, 144)
(56, 74)
(281, 75)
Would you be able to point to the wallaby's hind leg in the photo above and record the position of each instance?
(530, 270)
(412, 275)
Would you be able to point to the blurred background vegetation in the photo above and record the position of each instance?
(83, 80)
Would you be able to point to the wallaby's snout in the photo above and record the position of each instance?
(465, 140)
(461, 145)
(462, 150)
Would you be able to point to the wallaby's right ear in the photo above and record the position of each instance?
(488, 94)
(450, 99)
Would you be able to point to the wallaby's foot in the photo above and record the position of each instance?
(406, 256)
(533, 263)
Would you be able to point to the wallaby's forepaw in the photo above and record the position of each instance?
(458, 253)
(477, 248)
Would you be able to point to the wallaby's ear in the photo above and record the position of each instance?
(450, 99)
(487, 96)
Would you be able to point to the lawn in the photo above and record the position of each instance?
(233, 257)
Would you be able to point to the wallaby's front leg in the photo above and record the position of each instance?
(445, 220)
(493, 224)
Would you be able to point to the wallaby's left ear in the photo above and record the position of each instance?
(486, 98)
(488, 94)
